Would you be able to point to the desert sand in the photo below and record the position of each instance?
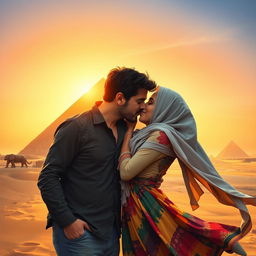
(23, 214)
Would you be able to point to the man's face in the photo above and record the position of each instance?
(134, 106)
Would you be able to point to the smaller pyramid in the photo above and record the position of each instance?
(232, 152)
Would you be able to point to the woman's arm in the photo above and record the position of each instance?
(130, 166)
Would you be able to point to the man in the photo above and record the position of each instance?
(79, 181)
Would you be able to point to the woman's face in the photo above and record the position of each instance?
(147, 112)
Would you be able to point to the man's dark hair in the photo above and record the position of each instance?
(128, 81)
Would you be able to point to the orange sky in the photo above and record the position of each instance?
(51, 54)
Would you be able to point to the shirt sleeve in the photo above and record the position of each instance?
(131, 167)
(60, 156)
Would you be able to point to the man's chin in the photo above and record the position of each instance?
(132, 120)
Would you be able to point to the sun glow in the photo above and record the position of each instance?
(49, 62)
(84, 87)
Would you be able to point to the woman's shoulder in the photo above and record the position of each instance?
(160, 137)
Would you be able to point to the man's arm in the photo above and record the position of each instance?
(60, 156)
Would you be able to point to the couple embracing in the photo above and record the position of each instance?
(102, 179)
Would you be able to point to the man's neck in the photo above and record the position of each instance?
(110, 113)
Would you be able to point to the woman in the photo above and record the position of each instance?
(152, 224)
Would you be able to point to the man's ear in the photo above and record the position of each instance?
(120, 99)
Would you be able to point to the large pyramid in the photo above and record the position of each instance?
(231, 152)
(40, 145)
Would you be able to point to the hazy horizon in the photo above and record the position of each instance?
(214, 153)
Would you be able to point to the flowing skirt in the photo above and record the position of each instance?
(152, 225)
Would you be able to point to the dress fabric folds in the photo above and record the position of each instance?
(154, 226)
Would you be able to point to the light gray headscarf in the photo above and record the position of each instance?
(173, 116)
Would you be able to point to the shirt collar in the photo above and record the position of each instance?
(96, 114)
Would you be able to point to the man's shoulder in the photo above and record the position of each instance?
(83, 118)
(79, 120)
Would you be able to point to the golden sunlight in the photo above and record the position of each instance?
(84, 87)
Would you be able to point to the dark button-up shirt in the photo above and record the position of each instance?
(80, 178)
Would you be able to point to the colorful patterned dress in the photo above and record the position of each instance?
(152, 224)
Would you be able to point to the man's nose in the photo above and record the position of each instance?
(142, 105)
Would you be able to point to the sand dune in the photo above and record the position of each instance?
(23, 214)
(30, 248)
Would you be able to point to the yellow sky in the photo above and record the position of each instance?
(47, 65)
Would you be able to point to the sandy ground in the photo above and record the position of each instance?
(23, 214)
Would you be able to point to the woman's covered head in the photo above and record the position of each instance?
(167, 106)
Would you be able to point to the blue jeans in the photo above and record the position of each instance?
(86, 245)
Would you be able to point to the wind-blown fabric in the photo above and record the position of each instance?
(152, 225)
(173, 116)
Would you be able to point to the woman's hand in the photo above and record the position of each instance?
(125, 150)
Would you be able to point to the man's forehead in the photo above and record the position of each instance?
(142, 93)
(139, 97)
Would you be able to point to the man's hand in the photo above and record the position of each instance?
(76, 229)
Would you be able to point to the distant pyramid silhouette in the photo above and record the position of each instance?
(232, 151)
(40, 145)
